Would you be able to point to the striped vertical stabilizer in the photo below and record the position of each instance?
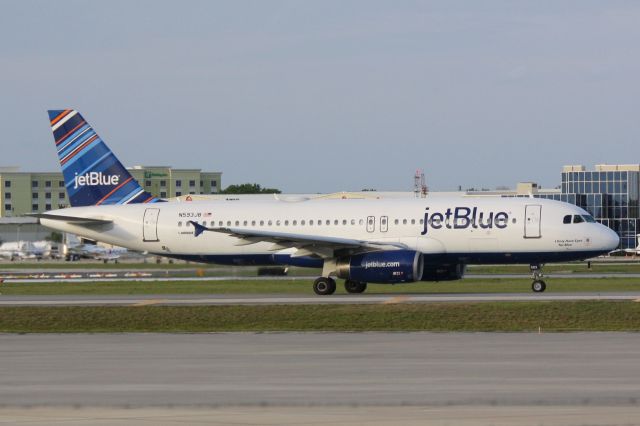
(92, 174)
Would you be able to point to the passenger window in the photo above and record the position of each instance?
(353, 221)
(270, 223)
(179, 224)
(286, 223)
(311, 222)
(335, 222)
(327, 222)
(361, 221)
(262, 223)
(578, 219)
(295, 222)
(237, 223)
(344, 221)
(220, 223)
(245, 223)
(413, 221)
(277, 223)
(567, 219)
(404, 221)
(253, 223)
(396, 221)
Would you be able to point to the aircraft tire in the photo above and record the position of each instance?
(538, 286)
(354, 287)
(324, 286)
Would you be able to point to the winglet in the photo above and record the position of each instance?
(199, 228)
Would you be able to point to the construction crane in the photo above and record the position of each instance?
(420, 188)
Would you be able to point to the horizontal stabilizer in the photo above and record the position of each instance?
(71, 219)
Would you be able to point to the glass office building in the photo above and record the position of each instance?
(609, 193)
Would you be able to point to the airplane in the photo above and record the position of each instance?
(382, 241)
(73, 249)
(25, 250)
(633, 252)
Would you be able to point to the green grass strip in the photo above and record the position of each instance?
(304, 286)
(443, 317)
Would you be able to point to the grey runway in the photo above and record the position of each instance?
(320, 369)
(292, 299)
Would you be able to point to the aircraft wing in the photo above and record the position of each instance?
(307, 245)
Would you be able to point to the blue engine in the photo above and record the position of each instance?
(383, 267)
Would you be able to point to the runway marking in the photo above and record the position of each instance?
(396, 300)
(150, 302)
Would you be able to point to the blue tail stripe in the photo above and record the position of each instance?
(98, 151)
(79, 139)
(72, 138)
(69, 125)
(94, 165)
(78, 157)
(129, 196)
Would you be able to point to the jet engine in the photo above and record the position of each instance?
(383, 267)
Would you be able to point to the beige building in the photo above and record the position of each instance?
(34, 192)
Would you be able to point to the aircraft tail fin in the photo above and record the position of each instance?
(92, 173)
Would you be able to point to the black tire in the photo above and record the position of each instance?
(538, 286)
(324, 286)
(355, 287)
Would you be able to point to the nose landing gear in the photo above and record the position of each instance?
(538, 285)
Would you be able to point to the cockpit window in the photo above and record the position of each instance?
(588, 218)
(567, 219)
(578, 219)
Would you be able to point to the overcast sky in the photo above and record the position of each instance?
(329, 95)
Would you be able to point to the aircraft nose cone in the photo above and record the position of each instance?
(610, 239)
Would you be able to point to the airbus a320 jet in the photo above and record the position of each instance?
(382, 241)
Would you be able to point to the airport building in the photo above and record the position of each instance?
(609, 192)
(25, 192)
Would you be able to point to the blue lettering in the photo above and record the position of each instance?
(462, 221)
(463, 218)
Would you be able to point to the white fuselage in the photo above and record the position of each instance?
(461, 229)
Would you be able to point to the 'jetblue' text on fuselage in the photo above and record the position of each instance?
(463, 218)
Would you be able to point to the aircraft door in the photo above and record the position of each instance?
(150, 225)
(532, 221)
(384, 223)
(371, 223)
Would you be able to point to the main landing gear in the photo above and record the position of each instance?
(325, 286)
(538, 285)
(354, 286)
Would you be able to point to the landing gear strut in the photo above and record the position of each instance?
(324, 286)
(354, 286)
(538, 285)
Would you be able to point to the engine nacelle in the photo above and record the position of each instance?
(382, 267)
(444, 272)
